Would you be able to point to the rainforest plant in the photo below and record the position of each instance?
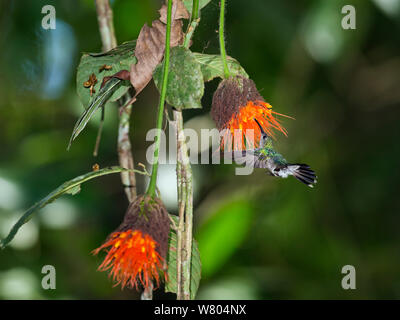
(152, 246)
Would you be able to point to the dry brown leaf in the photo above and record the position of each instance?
(150, 45)
(178, 12)
(122, 75)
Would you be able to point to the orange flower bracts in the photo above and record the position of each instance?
(236, 103)
(136, 251)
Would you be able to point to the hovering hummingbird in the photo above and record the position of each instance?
(266, 157)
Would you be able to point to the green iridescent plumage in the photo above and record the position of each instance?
(266, 157)
(266, 151)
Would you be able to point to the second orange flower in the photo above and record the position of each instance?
(236, 103)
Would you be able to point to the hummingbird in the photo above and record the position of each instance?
(266, 157)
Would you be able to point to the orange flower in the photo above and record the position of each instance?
(136, 251)
(132, 258)
(236, 103)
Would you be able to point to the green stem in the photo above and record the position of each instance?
(189, 33)
(222, 40)
(71, 186)
(152, 186)
(195, 10)
(194, 21)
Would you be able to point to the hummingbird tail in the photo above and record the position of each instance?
(303, 173)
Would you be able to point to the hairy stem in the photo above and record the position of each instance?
(106, 24)
(125, 148)
(185, 204)
(152, 186)
(181, 226)
(109, 41)
(222, 38)
(185, 190)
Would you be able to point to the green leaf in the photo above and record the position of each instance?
(212, 66)
(171, 285)
(185, 80)
(224, 232)
(189, 4)
(71, 187)
(119, 58)
(99, 101)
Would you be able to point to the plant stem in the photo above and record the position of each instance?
(222, 40)
(106, 24)
(195, 10)
(194, 21)
(66, 187)
(181, 226)
(152, 186)
(106, 28)
(185, 201)
(185, 190)
(190, 32)
(125, 149)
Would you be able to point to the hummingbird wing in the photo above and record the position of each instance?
(250, 158)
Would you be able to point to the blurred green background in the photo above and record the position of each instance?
(259, 237)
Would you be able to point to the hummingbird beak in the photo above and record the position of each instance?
(262, 130)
